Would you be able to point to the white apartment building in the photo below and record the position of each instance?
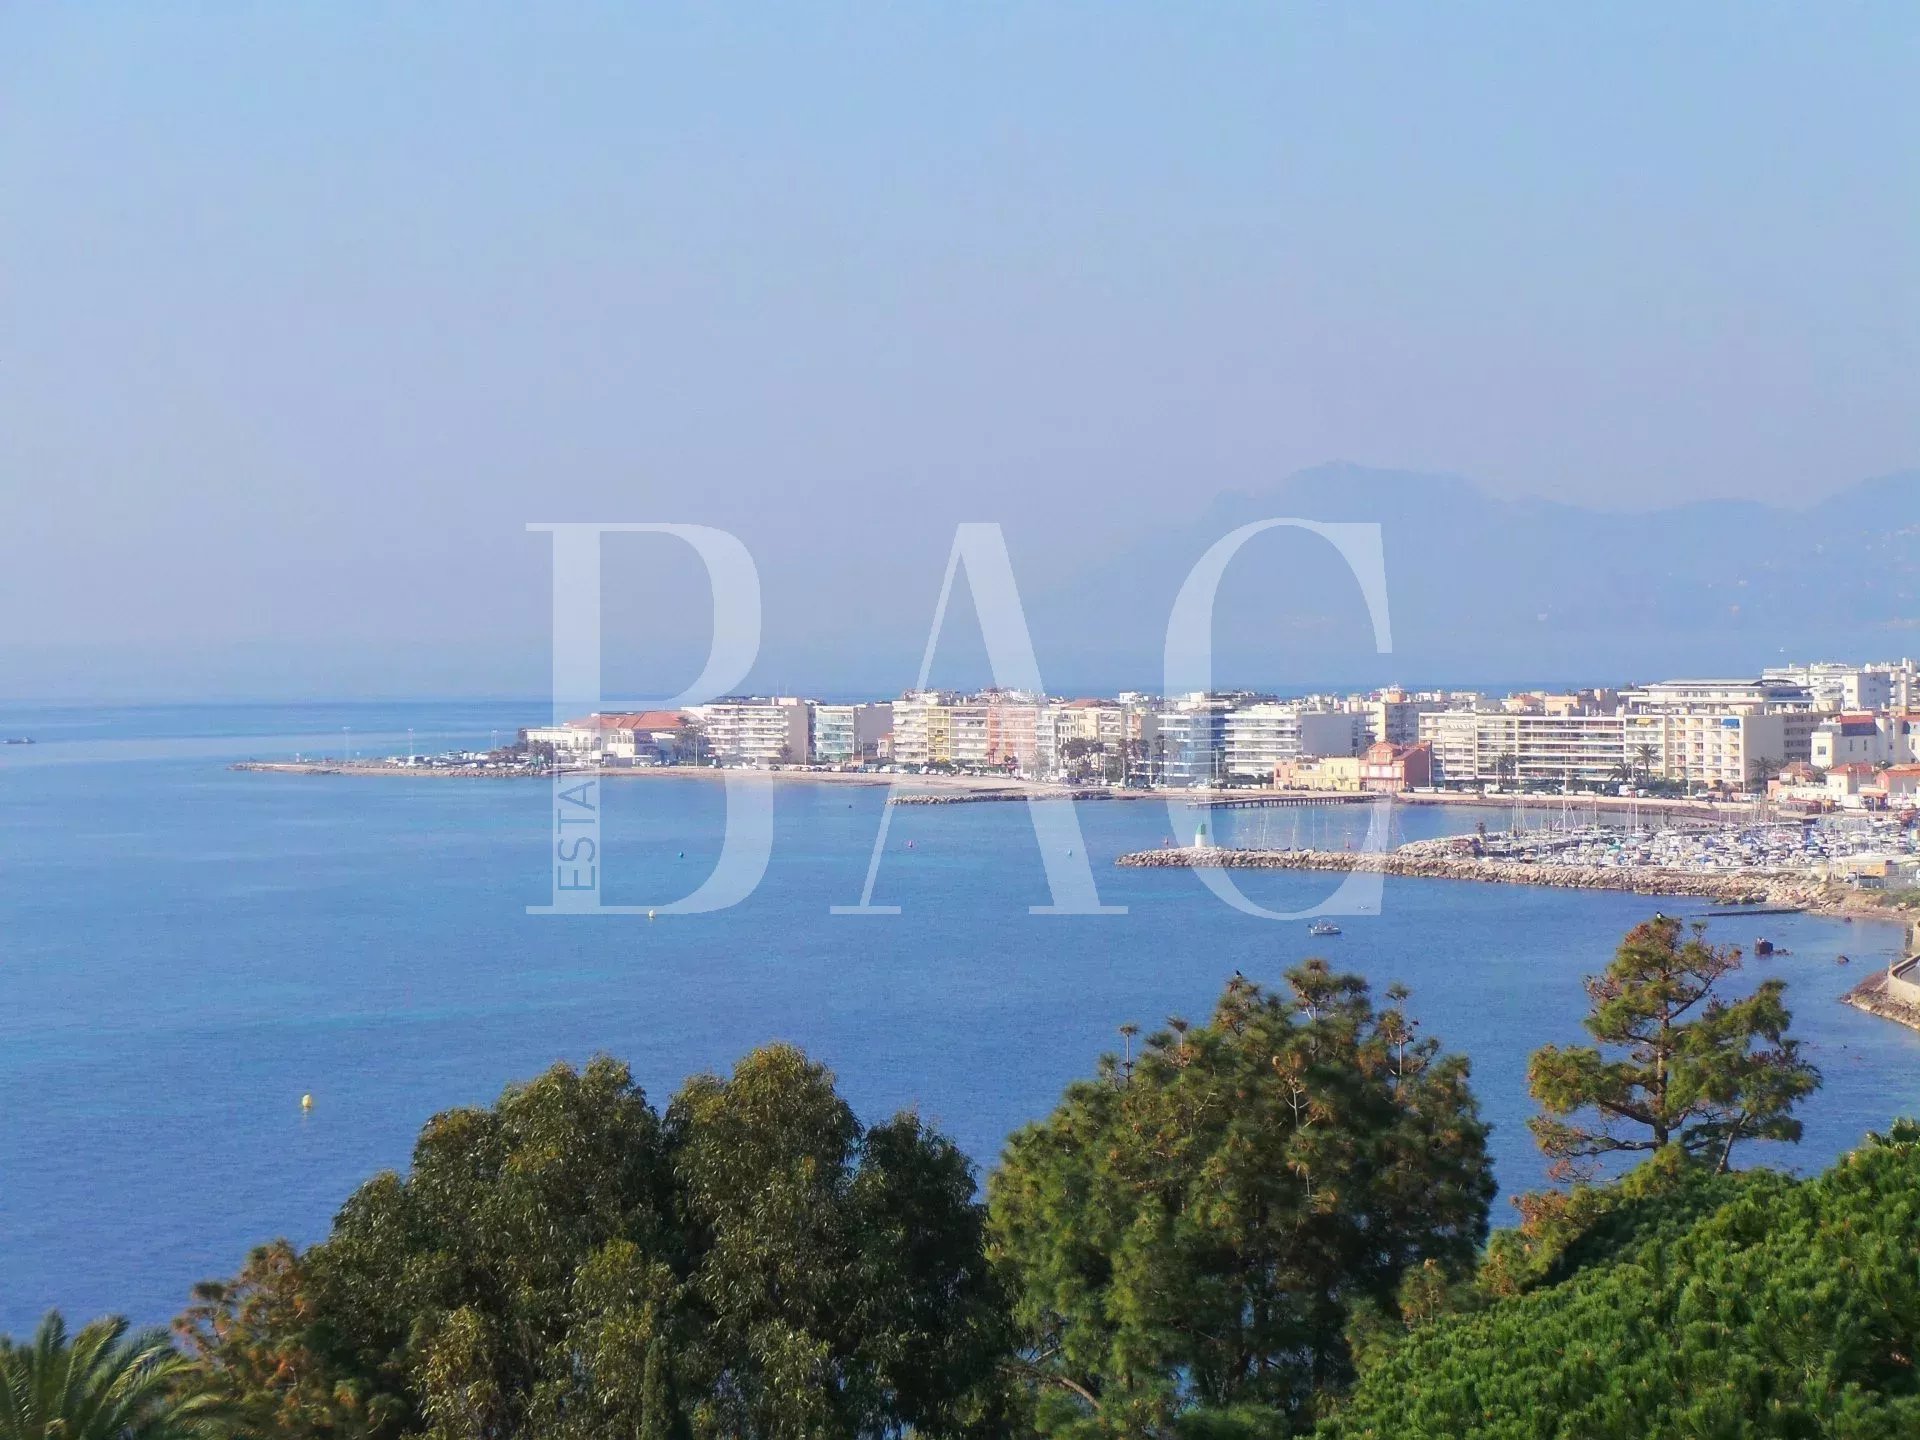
(911, 743)
(1893, 684)
(1261, 736)
(1718, 696)
(1486, 747)
(754, 730)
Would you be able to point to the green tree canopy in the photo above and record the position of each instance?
(1677, 1062)
(570, 1264)
(1749, 1305)
(103, 1384)
(1188, 1232)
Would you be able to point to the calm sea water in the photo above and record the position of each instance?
(186, 950)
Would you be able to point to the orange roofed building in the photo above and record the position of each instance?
(1387, 769)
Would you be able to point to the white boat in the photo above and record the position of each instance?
(1323, 927)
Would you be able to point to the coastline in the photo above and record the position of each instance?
(938, 788)
(1871, 996)
(1771, 891)
(932, 787)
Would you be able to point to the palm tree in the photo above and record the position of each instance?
(1643, 755)
(103, 1384)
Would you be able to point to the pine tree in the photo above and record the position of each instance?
(1192, 1230)
(1687, 1066)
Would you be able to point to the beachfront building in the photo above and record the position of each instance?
(1720, 733)
(1097, 722)
(1729, 749)
(574, 740)
(1329, 774)
(754, 730)
(1521, 750)
(646, 737)
(993, 730)
(1190, 746)
(1387, 769)
(1256, 738)
(847, 734)
(1021, 733)
(913, 728)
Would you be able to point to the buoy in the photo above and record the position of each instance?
(683, 855)
(306, 1102)
(649, 914)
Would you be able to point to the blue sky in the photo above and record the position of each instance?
(306, 310)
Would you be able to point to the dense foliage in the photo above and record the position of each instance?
(103, 1384)
(571, 1264)
(1774, 1308)
(1676, 1063)
(1190, 1231)
(1246, 1230)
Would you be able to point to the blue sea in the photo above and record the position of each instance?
(186, 950)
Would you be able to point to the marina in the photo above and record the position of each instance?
(1857, 866)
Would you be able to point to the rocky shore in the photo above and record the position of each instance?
(1872, 995)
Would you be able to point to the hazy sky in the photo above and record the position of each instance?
(306, 310)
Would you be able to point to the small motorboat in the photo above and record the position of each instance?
(1323, 927)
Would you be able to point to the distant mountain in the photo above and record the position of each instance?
(1484, 588)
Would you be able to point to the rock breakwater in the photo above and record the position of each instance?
(1424, 865)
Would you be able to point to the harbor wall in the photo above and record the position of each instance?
(1903, 980)
(1427, 865)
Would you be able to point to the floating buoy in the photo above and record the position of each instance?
(306, 1102)
(683, 855)
(649, 914)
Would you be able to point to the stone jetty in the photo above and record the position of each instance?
(1425, 864)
